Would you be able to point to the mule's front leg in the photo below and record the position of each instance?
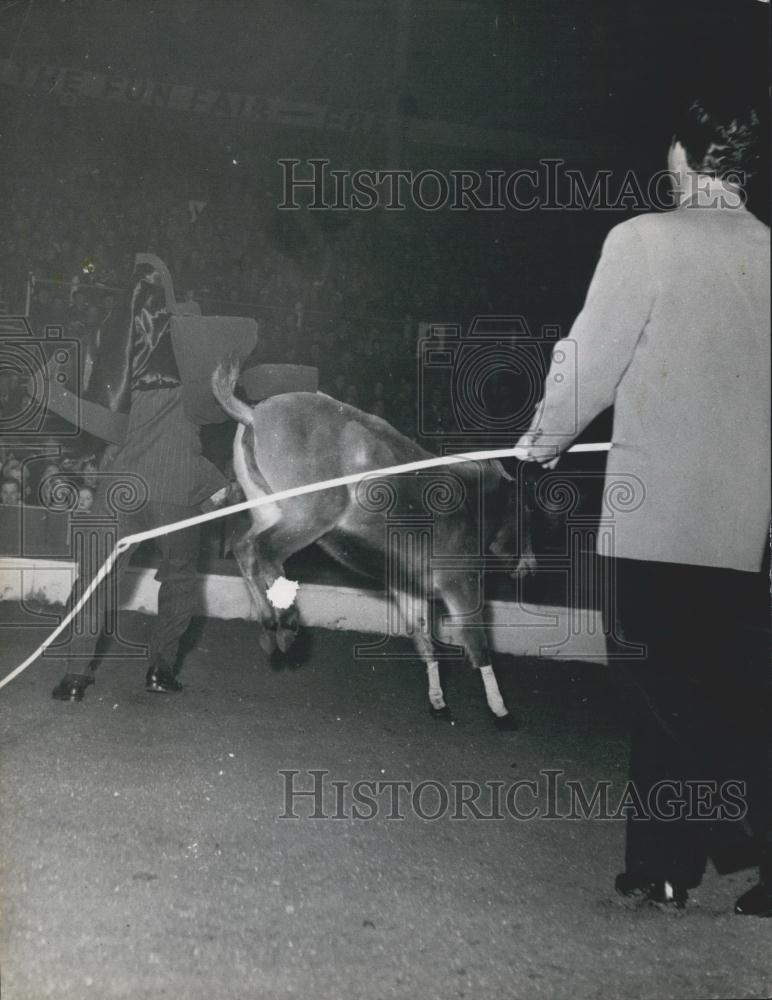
(463, 598)
(502, 717)
(414, 610)
(436, 696)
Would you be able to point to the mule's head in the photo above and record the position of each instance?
(510, 518)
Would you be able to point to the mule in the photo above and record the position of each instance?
(299, 438)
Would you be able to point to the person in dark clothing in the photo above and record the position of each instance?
(156, 477)
(701, 717)
(163, 450)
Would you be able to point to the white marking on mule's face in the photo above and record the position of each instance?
(492, 693)
(436, 697)
(262, 517)
(282, 593)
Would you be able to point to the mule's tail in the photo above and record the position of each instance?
(224, 380)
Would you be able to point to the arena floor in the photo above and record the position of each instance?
(143, 853)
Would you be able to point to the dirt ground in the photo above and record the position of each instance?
(144, 854)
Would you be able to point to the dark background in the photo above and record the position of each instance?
(599, 79)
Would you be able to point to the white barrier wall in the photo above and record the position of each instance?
(524, 630)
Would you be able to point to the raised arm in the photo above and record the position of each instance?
(603, 340)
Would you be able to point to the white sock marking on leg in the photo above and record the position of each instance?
(282, 593)
(436, 696)
(492, 693)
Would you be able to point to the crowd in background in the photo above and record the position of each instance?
(369, 364)
(342, 296)
(323, 297)
(44, 477)
(341, 292)
(238, 247)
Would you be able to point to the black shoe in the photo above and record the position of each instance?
(72, 687)
(669, 894)
(160, 681)
(627, 884)
(756, 902)
(655, 890)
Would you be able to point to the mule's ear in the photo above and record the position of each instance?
(498, 466)
(493, 475)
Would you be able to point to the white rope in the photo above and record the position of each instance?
(575, 448)
(166, 529)
(103, 571)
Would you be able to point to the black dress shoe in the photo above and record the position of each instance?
(756, 902)
(160, 681)
(669, 894)
(72, 687)
(627, 884)
(656, 890)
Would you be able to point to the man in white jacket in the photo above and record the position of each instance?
(675, 334)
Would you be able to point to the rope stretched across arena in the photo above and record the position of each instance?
(166, 529)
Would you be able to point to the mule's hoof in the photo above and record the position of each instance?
(440, 713)
(505, 723)
(160, 681)
(268, 641)
(72, 687)
(284, 638)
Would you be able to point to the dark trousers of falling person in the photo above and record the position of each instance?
(701, 705)
(176, 595)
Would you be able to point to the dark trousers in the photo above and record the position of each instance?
(176, 596)
(701, 705)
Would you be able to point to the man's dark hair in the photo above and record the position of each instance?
(719, 141)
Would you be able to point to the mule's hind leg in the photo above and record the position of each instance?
(414, 611)
(244, 551)
(462, 594)
(303, 522)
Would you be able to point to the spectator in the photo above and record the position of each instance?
(85, 499)
(49, 478)
(79, 308)
(10, 493)
(12, 470)
(89, 472)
